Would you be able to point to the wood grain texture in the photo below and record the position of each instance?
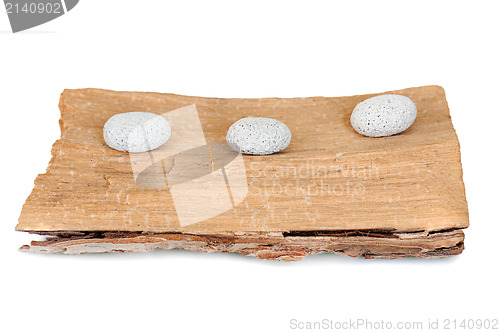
(330, 179)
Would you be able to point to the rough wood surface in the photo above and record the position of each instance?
(329, 180)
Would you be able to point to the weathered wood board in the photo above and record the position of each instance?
(331, 190)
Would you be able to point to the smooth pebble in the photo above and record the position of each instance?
(258, 136)
(383, 115)
(136, 132)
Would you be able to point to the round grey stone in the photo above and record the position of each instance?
(136, 132)
(383, 115)
(258, 136)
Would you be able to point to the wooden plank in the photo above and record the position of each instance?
(329, 179)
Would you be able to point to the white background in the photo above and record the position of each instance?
(247, 49)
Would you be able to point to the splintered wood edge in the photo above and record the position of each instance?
(274, 246)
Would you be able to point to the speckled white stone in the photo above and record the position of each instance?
(383, 115)
(136, 132)
(258, 136)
